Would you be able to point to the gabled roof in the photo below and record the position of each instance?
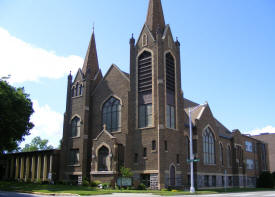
(104, 131)
(223, 131)
(79, 76)
(155, 17)
(196, 112)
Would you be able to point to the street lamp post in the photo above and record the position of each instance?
(192, 188)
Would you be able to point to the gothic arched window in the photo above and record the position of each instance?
(221, 154)
(229, 160)
(103, 154)
(75, 132)
(170, 91)
(208, 146)
(111, 115)
(145, 90)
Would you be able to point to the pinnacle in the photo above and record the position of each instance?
(91, 61)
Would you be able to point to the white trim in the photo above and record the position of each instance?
(103, 172)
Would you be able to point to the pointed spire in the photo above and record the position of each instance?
(155, 18)
(91, 60)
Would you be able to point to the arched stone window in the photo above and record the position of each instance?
(75, 132)
(221, 154)
(208, 146)
(172, 176)
(111, 115)
(103, 161)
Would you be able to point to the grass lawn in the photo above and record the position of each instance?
(81, 190)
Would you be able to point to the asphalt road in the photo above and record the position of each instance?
(245, 194)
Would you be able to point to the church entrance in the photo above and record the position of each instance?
(172, 176)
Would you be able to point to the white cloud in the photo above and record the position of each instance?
(26, 62)
(48, 124)
(267, 129)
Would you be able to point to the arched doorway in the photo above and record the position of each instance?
(172, 176)
(103, 153)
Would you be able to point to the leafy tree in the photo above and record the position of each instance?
(15, 111)
(37, 144)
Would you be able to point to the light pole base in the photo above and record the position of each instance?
(192, 190)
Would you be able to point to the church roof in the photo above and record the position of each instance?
(155, 17)
(91, 60)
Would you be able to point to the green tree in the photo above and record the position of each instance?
(15, 112)
(37, 144)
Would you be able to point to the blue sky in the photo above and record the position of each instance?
(227, 53)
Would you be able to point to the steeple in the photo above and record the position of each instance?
(91, 61)
(155, 18)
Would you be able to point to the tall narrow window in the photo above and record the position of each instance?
(144, 152)
(208, 146)
(170, 91)
(73, 91)
(77, 90)
(165, 145)
(229, 160)
(75, 132)
(80, 89)
(178, 159)
(111, 115)
(221, 154)
(103, 154)
(154, 145)
(188, 147)
(145, 90)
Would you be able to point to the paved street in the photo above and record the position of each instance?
(246, 194)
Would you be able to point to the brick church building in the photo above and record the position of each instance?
(140, 120)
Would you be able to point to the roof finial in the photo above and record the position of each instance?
(132, 35)
(93, 27)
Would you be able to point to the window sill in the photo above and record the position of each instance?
(76, 96)
(74, 165)
(153, 151)
(210, 164)
(145, 128)
(145, 158)
(166, 151)
(77, 137)
(172, 129)
(114, 132)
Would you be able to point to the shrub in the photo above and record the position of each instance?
(85, 183)
(95, 183)
(265, 180)
(126, 172)
(141, 186)
(105, 185)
